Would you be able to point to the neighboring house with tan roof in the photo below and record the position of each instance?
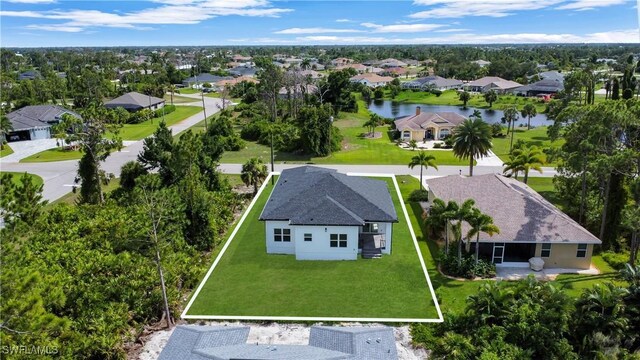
(428, 125)
(357, 67)
(530, 226)
(341, 61)
(235, 81)
(494, 83)
(371, 80)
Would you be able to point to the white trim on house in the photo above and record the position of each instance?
(302, 318)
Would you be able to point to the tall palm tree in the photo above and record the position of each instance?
(172, 88)
(529, 158)
(440, 216)
(424, 161)
(305, 64)
(464, 97)
(472, 139)
(5, 128)
(528, 112)
(462, 213)
(254, 171)
(480, 222)
(490, 96)
(510, 117)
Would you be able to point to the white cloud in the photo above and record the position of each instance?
(315, 30)
(343, 20)
(401, 28)
(61, 28)
(451, 30)
(490, 8)
(580, 5)
(172, 12)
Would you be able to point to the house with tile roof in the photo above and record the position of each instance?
(196, 342)
(35, 121)
(320, 214)
(423, 126)
(371, 80)
(530, 226)
(494, 83)
(432, 82)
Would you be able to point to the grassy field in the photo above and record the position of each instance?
(247, 281)
(56, 154)
(450, 97)
(355, 148)
(452, 294)
(144, 129)
(536, 136)
(6, 150)
(177, 99)
(72, 197)
(188, 90)
(15, 177)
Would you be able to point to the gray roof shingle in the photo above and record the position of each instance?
(316, 196)
(520, 212)
(37, 116)
(362, 342)
(421, 120)
(133, 101)
(188, 338)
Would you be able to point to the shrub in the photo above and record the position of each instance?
(253, 130)
(166, 110)
(448, 142)
(467, 267)
(419, 195)
(436, 92)
(234, 143)
(437, 145)
(496, 130)
(616, 260)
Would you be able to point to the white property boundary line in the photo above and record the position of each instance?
(302, 318)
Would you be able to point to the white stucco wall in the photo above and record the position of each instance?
(279, 247)
(319, 247)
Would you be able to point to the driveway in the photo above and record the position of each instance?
(23, 149)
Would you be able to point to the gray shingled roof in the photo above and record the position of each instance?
(434, 80)
(311, 195)
(133, 101)
(420, 121)
(187, 338)
(205, 78)
(546, 85)
(193, 342)
(37, 116)
(521, 213)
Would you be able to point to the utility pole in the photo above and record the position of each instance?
(204, 108)
(330, 133)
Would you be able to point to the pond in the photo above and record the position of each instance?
(393, 109)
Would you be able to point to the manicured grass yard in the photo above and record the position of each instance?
(249, 282)
(6, 150)
(15, 177)
(177, 99)
(55, 154)
(452, 294)
(144, 129)
(534, 137)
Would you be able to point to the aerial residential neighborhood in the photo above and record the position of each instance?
(403, 180)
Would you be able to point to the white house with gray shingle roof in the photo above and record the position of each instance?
(134, 101)
(424, 126)
(530, 226)
(35, 121)
(320, 214)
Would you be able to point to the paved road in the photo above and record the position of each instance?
(59, 176)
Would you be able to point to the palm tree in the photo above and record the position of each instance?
(472, 139)
(305, 64)
(413, 144)
(510, 117)
(440, 216)
(424, 161)
(464, 97)
(254, 171)
(529, 111)
(5, 128)
(172, 88)
(513, 166)
(490, 97)
(462, 213)
(372, 123)
(480, 222)
(529, 158)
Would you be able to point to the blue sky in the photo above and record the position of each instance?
(38, 23)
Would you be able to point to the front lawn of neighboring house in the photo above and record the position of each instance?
(72, 197)
(535, 137)
(249, 282)
(450, 97)
(6, 150)
(15, 177)
(188, 90)
(452, 294)
(177, 99)
(55, 154)
(144, 129)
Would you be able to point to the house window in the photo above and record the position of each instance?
(308, 237)
(406, 134)
(338, 240)
(444, 133)
(282, 235)
(582, 250)
(370, 228)
(546, 250)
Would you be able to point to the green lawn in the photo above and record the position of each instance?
(450, 97)
(188, 90)
(15, 177)
(56, 154)
(177, 99)
(72, 197)
(6, 150)
(249, 282)
(452, 294)
(355, 148)
(536, 136)
(144, 129)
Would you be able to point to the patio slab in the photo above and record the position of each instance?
(519, 273)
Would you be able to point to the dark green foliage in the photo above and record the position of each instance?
(339, 90)
(378, 93)
(436, 92)
(316, 131)
(20, 202)
(467, 268)
(419, 195)
(129, 173)
(496, 130)
(615, 90)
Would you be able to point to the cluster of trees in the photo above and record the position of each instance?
(535, 320)
(85, 279)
